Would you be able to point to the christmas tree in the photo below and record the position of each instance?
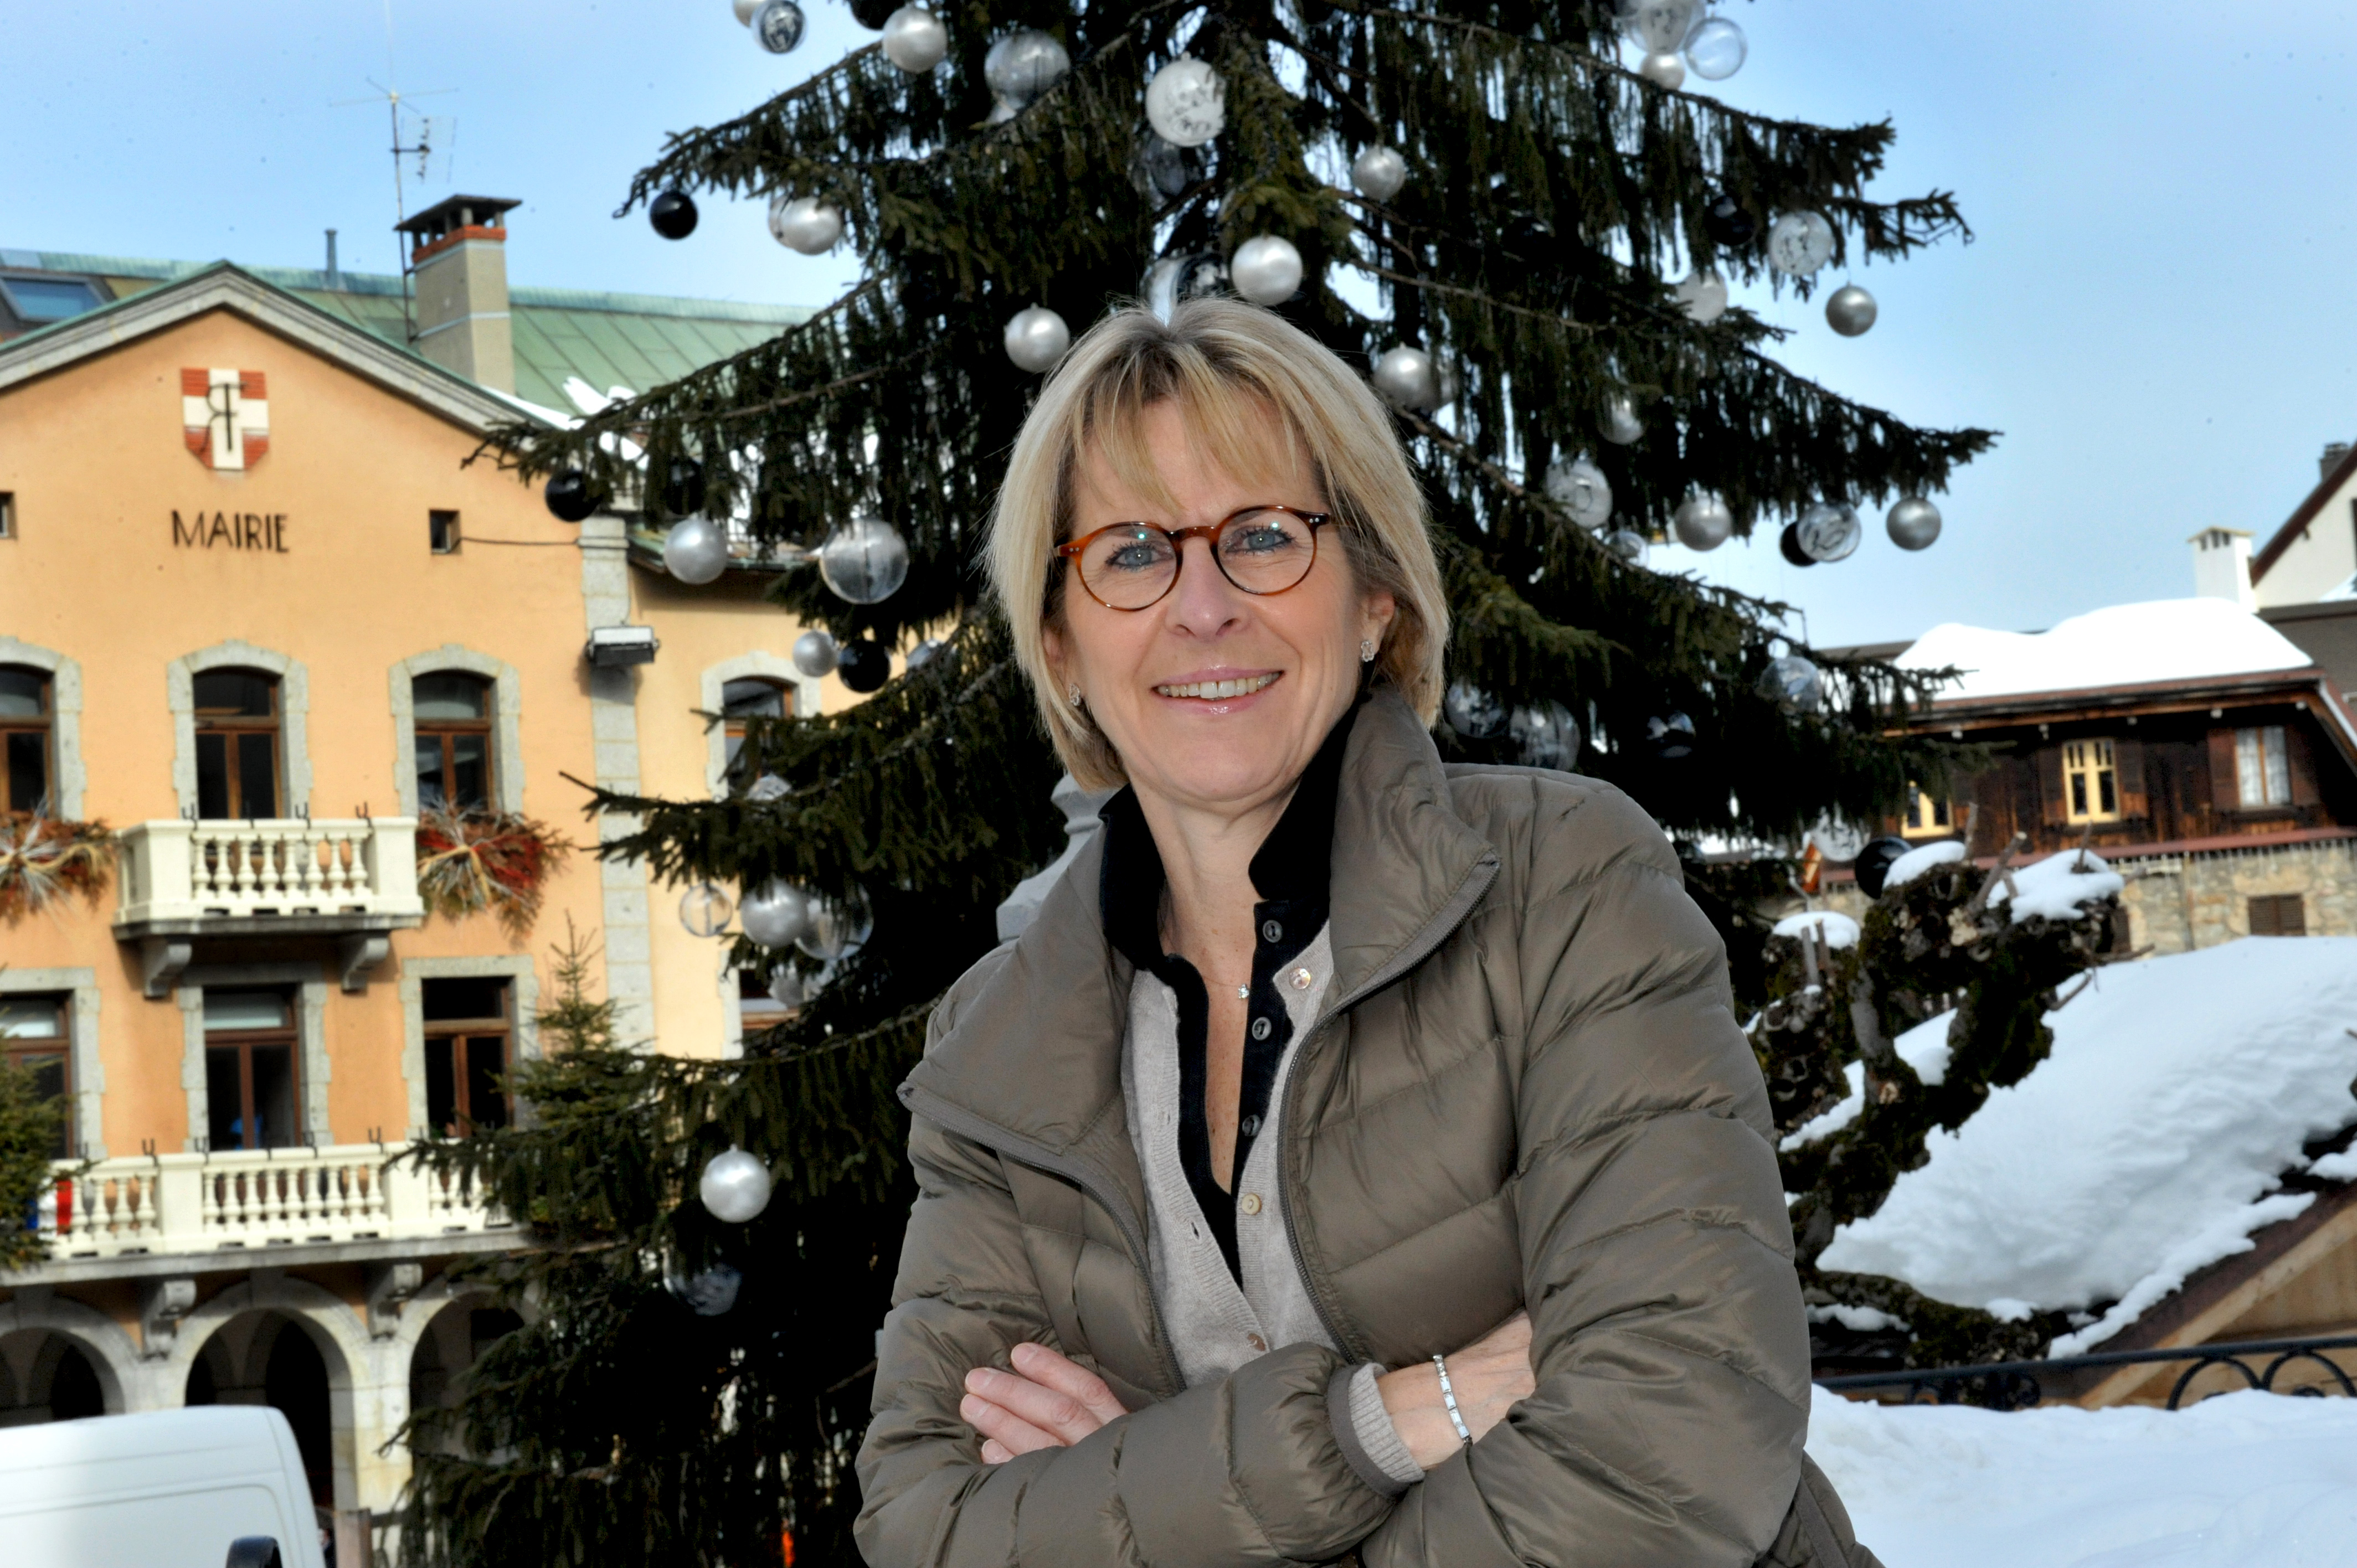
(1545, 234)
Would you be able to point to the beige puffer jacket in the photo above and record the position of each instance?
(1526, 1089)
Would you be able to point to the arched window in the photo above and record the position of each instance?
(25, 721)
(237, 743)
(453, 715)
(754, 697)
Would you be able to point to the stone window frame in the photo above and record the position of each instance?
(759, 664)
(507, 721)
(294, 716)
(523, 998)
(65, 721)
(311, 981)
(87, 1075)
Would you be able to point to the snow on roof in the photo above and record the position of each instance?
(2245, 1481)
(2145, 1147)
(2125, 645)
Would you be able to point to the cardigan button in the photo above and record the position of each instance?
(1261, 1028)
(1301, 979)
(1270, 932)
(1249, 1203)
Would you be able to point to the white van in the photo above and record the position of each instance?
(170, 1489)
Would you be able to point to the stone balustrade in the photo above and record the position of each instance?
(361, 872)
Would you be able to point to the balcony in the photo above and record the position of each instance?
(239, 877)
(254, 1199)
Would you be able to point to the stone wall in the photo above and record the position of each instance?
(2179, 902)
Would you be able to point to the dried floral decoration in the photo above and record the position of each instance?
(468, 862)
(44, 859)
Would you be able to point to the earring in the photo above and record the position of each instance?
(1366, 651)
(1074, 693)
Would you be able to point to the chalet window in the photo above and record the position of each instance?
(250, 1070)
(453, 719)
(442, 533)
(33, 1031)
(757, 1008)
(8, 514)
(752, 698)
(466, 1035)
(237, 743)
(2278, 915)
(2262, 767)
(25, 737)
(2091, 781)
(1926, 817)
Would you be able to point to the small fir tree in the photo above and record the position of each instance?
(30, 1120)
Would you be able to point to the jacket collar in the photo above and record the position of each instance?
(1036, 1051)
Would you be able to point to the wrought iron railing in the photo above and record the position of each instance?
(2017, 1385)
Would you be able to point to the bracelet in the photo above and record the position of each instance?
(1448, 1398)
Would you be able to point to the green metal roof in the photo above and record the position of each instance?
(636, 341)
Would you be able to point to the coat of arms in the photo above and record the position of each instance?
(226, 415)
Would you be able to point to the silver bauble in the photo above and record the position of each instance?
(710, 1294)
(774, 914)
(1380, 173)
(1547, 735)
(816, 654)
(1580, 488)
(786, 987)
(1663, 71)
(779, 25)
(1829, 532)
(1799, 242)
(1267, 269)
(1716, 50)
(1472, 712)
(805, 223)
(1913, 523)
(1186, 102)
(831, 933)
(1702, 295)
(1025, 64)
(922, 654)
(1618, 420)
(914, 39)
(1406, 377)
(767, 787)
(1627, 543)
(735, 1186)
(1036, 339)
(1850, 310)
(704, 909)
(1703, 520)
(864, 561)
(744, 9)
(1794, 682)
(696, 550)
(1660, 25)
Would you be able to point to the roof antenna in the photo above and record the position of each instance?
(389, 96)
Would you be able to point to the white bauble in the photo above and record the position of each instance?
(1794, 682)
(805, 223)
(1547, 736)
(1036, 339)
(1380, 173)
(1618, 420)
(864, 561)
(1716, 50)
(816, 654)
(1627, 543)
(1702, 295)
(1663, 71)
(1472, 712)
(914, 39)
(779, 25)
(1186, 102)
(1913, 523)
(1267, 269)
(1799, 242)
(1405, 378)
(1580, 488)
(1660, 25)
(1025, 64)
(1704, 521)
(786, 987)
(775, 914)
(703, 910)
(1829, 532)
(735, 1188)
(831, 933)
(696, 550)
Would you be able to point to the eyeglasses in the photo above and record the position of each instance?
(1262, 550)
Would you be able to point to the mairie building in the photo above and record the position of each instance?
(263, 624)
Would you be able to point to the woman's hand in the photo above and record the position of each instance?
(1048, 1401)
(1487, 1376)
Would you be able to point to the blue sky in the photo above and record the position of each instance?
(2157, 312)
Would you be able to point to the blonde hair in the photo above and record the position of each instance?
(1228, 366)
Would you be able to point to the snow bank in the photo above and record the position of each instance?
(1841, 931)
(2246, 1480)
(1923, 1048)
(2058, 885)
(1916, 862)
(2125, 645)
(2143, 1149)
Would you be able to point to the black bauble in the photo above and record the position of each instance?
(863, 664)
(568, 495)
(682, 491)
(1874, 862)
(1727, 222)
(1670, 739)
(873, 13)
(674, 215)
(1789, 542)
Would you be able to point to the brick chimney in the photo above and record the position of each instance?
(2335, 452)
(2221, 566)
(458, 256)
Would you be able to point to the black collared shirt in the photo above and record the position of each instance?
(1290, 870)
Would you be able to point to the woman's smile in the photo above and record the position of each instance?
(1218, 686)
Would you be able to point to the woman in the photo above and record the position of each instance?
(1327, 1073)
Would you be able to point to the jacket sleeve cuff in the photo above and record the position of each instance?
(1363, 1430)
